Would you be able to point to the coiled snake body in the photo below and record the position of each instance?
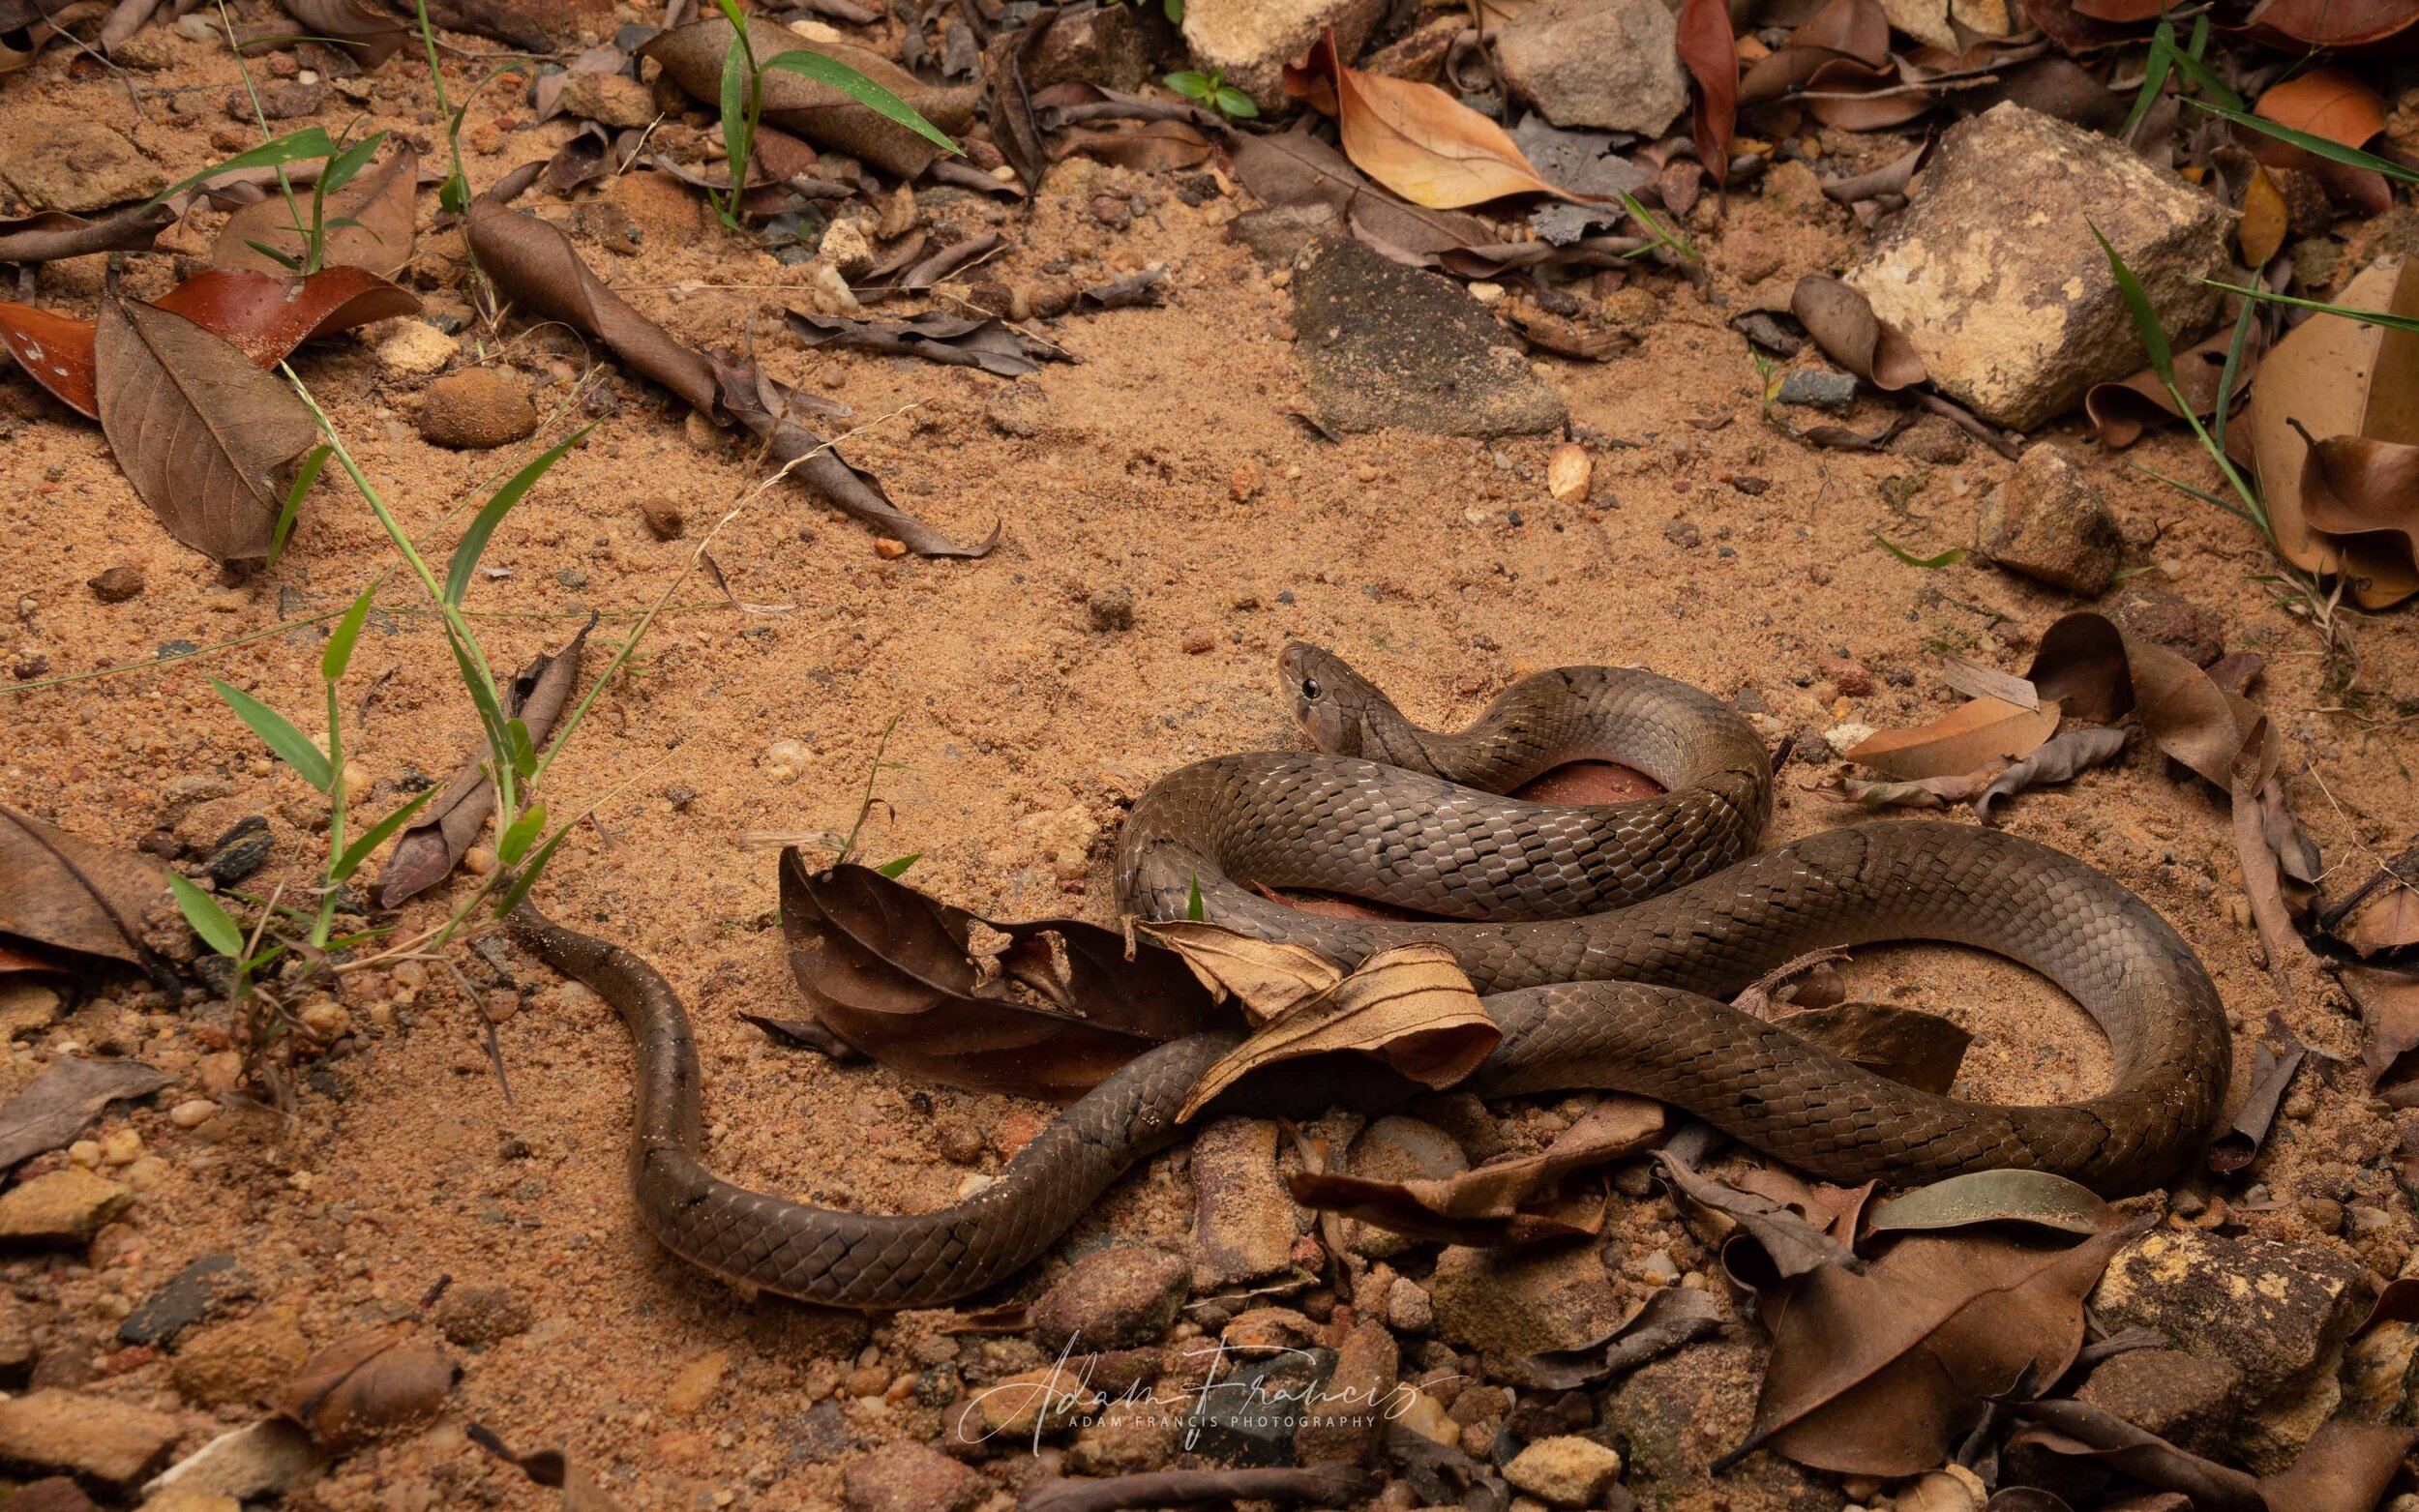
(1607, 940)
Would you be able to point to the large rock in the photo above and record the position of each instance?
(1383, 344)
(77, 164)
(2188, 1400)
(2278, 1314)
(240, 1361)
(99, 1438)
(1611, 64)
(67, 1206)
(1995, 277)
(1506, 1303)
(1251, 41)
(1244, 1224)
(1113, 1297)
(902, 1476)
(1115, 46)
(2049, 520)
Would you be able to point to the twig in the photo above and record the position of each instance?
(1328, 1485)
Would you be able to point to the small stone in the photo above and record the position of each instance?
(1113, 1298)
(116, 584)
(239, 852)
(611, 99)
(188, 1297)
(1683, 533)
(412, 349)
(198, 26)
(959, 1141)
(1124, 1437)
(1396, 1148)
(904, 1476)
(662, 518)
(1244, 1223)
(99, 1438)
(241, 1361)
(71, 161)
(1511, 1303)
(1249, 41)
(783, 761)
(1847, 675)
(1821, 388)
(1035, 1401)
(1018, 409)
(1609, 63)
(25, 1007)
(259, 1460)
(1348, 1419)
(478, 1316)
(1565, 1471)
(696, 1385)
(67, 1206)
(477, 408)
(2189, 1399)
(2049, 520)
(1408, 1309)
(1197, 642)
(889, 549)
(1935, 439)
(2189, 631)
(192, 1112)
(1111, 609)
(1568, 471)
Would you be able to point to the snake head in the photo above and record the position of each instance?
(1331, 703)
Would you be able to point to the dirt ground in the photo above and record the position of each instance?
(1168, 464)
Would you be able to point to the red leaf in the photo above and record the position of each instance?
(269, 315)
(1711, 54)
(55, 351)
(2329, 23)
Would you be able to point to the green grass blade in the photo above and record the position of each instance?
(305, 476)
(1192, 904)
(2380, 317)
(340, 652)
(2154, 78)
(359, 851)
(208, 917)
(2333, 151)
(345, 165)
(521, 834)
(289, 743)
(528, 877)
(2206, 80)
(864, 91)
(311, 141)
(894, 869)
(525, 755)
(2233, 366)
(2154, 336)
(1949, 558)
(474, 538)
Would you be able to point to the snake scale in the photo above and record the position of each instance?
(1607, 941)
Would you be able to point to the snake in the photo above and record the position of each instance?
(1607, 941)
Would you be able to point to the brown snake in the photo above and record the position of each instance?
(1630, 994)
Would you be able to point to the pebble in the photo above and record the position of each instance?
(477, 408)
(1818, 387)
(192, 1112)
(783, 761)
(413, 348)
(25, 1007)
(1112, 1298)
(959, 1142)
(185, 1299)
(1111, 609)
(1565, 1471)
(1244, 1223)
(116, 584)
(1847, 675)
(662, 518)
(693, 1387)
(904, 1476)
(1567, 472)
(230, 1364)
(476, 1316)
(97, 1439)
(888, 548)
(1408, 1309)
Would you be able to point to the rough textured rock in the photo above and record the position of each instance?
(1395, 1148)
(613, 100)
(1507, 1302)
(1565, 1471)
(1125, 1294)
(1610, 64)
(67, 1206)
(257, 1460)
(2278, 1314)
(240, 1361)
(410, 348)
(1679, 1414)
(482, 1314)
(50, 1493)
(187, 1298)
(2191, 630)
(2186, 1399)
(1124, 1439)
(902, 1476)
(1250, 1416)
(1347, 1421)
(476, 408)
(1243, 1223)
(1992, 272)
(2049, 520)
(97, 1439)
(1383, 344)
(75, 163)
(1115, 46)
(1251, 41)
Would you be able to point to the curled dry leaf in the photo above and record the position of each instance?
(1044, 1008)
(1666, 1320)
(55, 1106)
(1268, 978)
(60, 890)
(2102, 673)
(2381, 915)
(1959, 741)
(1140, 146)
(2122, 411)
(360, 1387)
(2060, 759)
(2346, 1467)
(48, 235)
(938, 337)
(427, 852)
(1919, 1049)
(552, 1468)
(201, 433)
(2039, 1198)
(1842, 323)
(1709, 52)
(1923, 792)
(1794, 1246)
(2279, 1056)
(378, 236)
(55, 351)
(1411, 1007)
(373, 35)
(1977, 681)
(1878, 1374)
(2389, 1020)
(1509, 1201)
(1298, 175)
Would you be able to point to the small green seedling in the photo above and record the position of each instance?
(1949, 558)
(1212, 92)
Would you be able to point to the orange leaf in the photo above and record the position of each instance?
(268, 314)
(1415, 138)
(55, 351)
(1709, 52)
(2265, 220)
(1961, 740)
(2327, 102)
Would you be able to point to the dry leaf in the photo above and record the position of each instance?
(1709, 52)
(1268, 978)
(59, 890)
(1842, 323)
(1409, 1006)
(1297, 176)
(2299, 24)
(2381, 915)
(1926, 792)
(55, 1106)
(1959, 741)
(2101, 674)
(1977, 681)
(2123, 411)
(2389, 1018)
(1919, 1049)
(48, 235)
(2261, 230)
(2360, 487)
(267, 315)
(427, 851)
(57, 351)
(2346, 1467)
(1139, 146)
(2279, 1056)
(2026, 1196)
(379, 240)
(2060, 759)
(1794, 1246)
(200, 432)
(371, 34)
(938, 337)
(1665, 1320)
(361, 1387)
(2325, 101)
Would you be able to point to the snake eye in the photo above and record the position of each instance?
(1310, 689)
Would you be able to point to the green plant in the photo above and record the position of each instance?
(865, 805)
(1172, 9)
(2166, 58)
(743, 103)
(1212, 92)
(1660, 235)
(1949, 558)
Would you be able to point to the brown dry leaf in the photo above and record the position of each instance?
(380, 204)
(55, 350)
(2026, 1196)
(2381, 915)
(1794, 1246)
(373, 35)
(1140, 146)
(1843, 325)
(2261, 230)
(1409, 1006)
(2061, 760)
(48, 235)
(46, 28)
(1294, 174)
(1878, 1374)
(1046, 1008)
(692, 57)
(1959, 741)
(1709, 50)
(2335, 377)
(269, 315)
(56, 1105)
(1977, 681)
(2389, 1018)
(552, 1468)
(1268, 978)
(2346, 1467)
(2325, 101)
(1415, 138)
(2279, 1056)
(2101, 674)
(1665, 1320)
(937, 336)
(1919, 1049)
(359, 1387)
(1509, 1201)
(200, 432)
(59, 890)
(427, 852)
(1926, 793)
(2123, 411)
(2358, 486)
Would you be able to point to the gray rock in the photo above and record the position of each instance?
(1821, 387)
(1251, 41)
(1395, 1148)
(821, 1434)
(1993, 274)
(2189, 1399)
(1613, 64)
(1112, 1298)
(75, 162)
(1383, 344)
(259, 1460)
(240, 851)
(97, 1439)
(1250, 1415)
(2049, 520)
(1244, 1223)
(190, 1295)
(1506, 1303)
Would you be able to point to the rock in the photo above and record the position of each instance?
(663, 211)
(1609, 63)
(25, 1007)
(1243, 1223)
(52, 1494)
(696, 1385)
(902, 1476)
(1993, 276)
(1565, 1471)
(2278, 1314)
(412, 349)
(188, 1296)
(1395, 1148)
(1408, 1308)
(1823, 388)
(1383, 344)
(662, 518)
(1677, 1416)
(1125, 1438)
(1510, 1303)
(1267, 1330)
(611, 99)
(1112, 1298)
(97, 1439)
(1115, 46)
(1021, 409)
(239, 852)
(2194, 632)
(1846, 674)
(241, 1361)
(474, 1316)
(2049, 520)
(821, 1433)
(1249, 1416)
(116, 584)
(1111, 609)
(1935, 439)
(2188, 1400)
(477, 408)
(259, 1460)
(1347, 1420)
(75, 162)
(1033, 1402)
(1251, 41)
(67, 1206)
